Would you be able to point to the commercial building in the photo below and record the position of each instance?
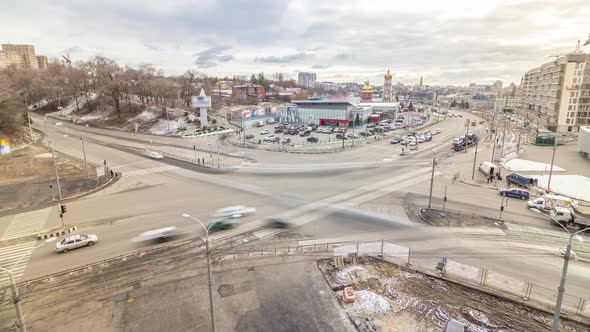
(334, 112)
(498, 85)
(329, 86)
(21, 56)
(513, 104)
(248, 92)
(307, 80)
(584, 141)
(557, 94)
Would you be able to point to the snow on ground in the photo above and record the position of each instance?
(144, 116)
(529, 166)
(369, 303)
(350, 274)
(164, 127)
(574, 186)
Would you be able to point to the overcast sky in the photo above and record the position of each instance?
(448, 42)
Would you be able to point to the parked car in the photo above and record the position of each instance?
(428, 138)
(364, 133)
(340, 136)
(75, 242)
(305, 133)
(394, 140)
(286, 141)
(265, 132)
(313, 139)
(269, 138)
(249, 136)
(515, 192)
(352, 135)
(420, 139)
(278, 131)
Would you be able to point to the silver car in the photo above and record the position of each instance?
(75, 242)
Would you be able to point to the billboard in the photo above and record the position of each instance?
(245, 114)
(254, 113)
(201, 101)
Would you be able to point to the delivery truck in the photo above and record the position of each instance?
(569, 217)
(487, 168)
(521, 180)
(548, 202)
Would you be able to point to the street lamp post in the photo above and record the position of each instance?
(55, 169)
(15, 295)
(84, 153)
(561, 289)
(551, 167)
(208, 251)
(431, 182)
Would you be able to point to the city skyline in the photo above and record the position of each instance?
(454, 44)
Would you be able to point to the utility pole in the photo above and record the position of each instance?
(244, 130)
(28, 117)
(552, 161)
(84, 152)
(16, 300)
(431, 182)
(218, 163)
(55, 168)
(503, 138)
(474, 159)
(495, 136)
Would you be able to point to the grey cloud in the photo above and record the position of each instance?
(284, 59)
(210, 57)
(318, 66)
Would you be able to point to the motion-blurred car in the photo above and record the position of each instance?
(276, 222)
(221, 224)
(75, 242)
(153, 154)
(234, 211)
(158, 235)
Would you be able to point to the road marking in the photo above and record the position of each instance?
(10, 255)
(146, 171)
(137, 162)
(307, 212)
(27, 223)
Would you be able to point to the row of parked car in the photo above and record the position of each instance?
(415, 138)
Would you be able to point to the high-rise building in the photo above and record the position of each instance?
(421, 81)
(22, 56)
(307, 80)
(387, 86)
(498, 84)
(41, 62)
(557, 94)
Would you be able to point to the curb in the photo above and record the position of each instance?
(43, 236)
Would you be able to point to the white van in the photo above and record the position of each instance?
(260, 123)
(487, 168)
(234, 212)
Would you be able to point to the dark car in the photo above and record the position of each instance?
(340, 136)
(278, 222)
(278, 131)
(312, 139)
(364, 133)
(249, 136)
(515, 192)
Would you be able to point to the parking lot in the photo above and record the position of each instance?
(298, 135)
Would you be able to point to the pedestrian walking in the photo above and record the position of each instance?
(488, 178)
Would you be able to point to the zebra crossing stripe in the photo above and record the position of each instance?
(150, 170)
(27, 223)
(10, 255)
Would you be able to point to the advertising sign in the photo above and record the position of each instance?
(254, 113)
(245, 114)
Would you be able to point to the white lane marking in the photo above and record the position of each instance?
(27, 223)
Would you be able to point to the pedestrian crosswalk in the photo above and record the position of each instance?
(28, 223)
(18, 254)
(146, 171)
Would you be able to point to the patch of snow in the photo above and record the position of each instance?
(144, 116)
(43, 155)
(88, 118)
(351, 273)
(164, 127)
(574, 186)
(369, 303)
(529, 166)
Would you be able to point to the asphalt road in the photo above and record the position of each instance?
(153, 194)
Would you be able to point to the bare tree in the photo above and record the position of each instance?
(110, 80)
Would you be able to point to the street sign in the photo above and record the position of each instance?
(99, 172)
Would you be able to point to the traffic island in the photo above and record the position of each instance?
(56, 232)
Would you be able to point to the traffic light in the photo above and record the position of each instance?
(62, 209)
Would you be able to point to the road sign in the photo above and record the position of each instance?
(99, 171)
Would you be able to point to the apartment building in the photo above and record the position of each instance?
(557, 94)
(307, 80)
(248, 92)
(22, 56)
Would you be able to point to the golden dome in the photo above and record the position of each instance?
(388, 75)
(367, 87)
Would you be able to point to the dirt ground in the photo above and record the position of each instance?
(412, 301)
(25, 177)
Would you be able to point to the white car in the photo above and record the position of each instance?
(153, 154)
(264, 132)
(233, 212)
(421, 139)
(75, 242)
